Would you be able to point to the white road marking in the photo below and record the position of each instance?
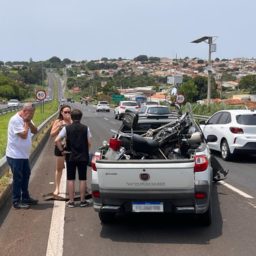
(56, 234)
(240, 192)
(106, 118)
(253, 205)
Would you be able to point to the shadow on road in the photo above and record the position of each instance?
(165, 228)
(239, 158)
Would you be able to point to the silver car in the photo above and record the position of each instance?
(13, 103)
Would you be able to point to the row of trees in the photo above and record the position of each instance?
(17, 80)
(10, 88)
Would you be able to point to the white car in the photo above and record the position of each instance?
(123, 106)
(13, 103)
(235, 130)
(102, 106)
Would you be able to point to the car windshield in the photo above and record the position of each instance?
(129, 104)
(151, 103)
(157, 110)
(246, 119)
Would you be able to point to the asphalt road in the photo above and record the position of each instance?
(27, 232)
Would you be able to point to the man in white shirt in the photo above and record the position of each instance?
(20, 130)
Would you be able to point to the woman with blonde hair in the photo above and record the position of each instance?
(63, 119)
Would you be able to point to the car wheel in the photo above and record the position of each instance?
(119, 116)
(225, 152)
(115, 116)
(107, 217)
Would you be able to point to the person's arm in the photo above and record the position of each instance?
(89, 138)
(26, 126)
(56, 127)
(32, 127)
(59, 138)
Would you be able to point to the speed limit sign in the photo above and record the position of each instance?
(180, 98)
(40, 94)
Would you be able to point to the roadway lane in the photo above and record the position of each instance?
(232, 232)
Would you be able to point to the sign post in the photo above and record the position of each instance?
(41, 95)
(180, 98)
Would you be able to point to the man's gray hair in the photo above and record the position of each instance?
(28, 106)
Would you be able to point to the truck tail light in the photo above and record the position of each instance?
(114, 144)
(200, 195)
(122, 107)
(201, 163)
(236, 130)
(97, 156)
(96, 194)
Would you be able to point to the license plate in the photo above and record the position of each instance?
(147, 207)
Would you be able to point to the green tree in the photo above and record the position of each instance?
(55, 59)
(13, 89)
(189, 90)
(142, 58)
(201, 84)
(66, 61)
(227, 77)
(248, 83)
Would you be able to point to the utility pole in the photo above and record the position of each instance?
(209, 70)
(212, 48)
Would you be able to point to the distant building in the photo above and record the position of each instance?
(230, 84)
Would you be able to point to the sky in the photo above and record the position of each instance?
(91, 30)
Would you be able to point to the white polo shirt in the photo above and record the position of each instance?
(17, 147)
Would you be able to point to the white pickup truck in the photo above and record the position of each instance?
(174, 184)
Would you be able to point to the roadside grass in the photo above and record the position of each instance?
(4, 182)
(41, 114)
(208, 110)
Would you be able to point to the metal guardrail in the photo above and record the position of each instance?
(40, 139)
(6, 110)
(201, 118)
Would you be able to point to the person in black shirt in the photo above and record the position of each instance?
(78, 141)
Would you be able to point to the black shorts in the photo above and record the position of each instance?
(71, 170)
(57, 152)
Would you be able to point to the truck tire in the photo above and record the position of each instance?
(107, 217)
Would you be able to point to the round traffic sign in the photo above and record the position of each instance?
(40, 94)
(180, 98)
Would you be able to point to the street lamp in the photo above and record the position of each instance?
(212, 48)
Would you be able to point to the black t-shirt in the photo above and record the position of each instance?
(77, 142)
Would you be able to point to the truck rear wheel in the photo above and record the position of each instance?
(107, 217)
